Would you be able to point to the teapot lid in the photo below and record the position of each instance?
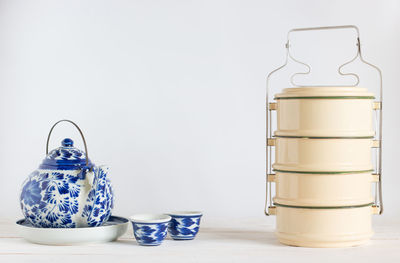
(66, 157)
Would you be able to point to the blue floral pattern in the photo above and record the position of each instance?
(98, 203)
(65, 158)
(184, 227)
(51, 198)
(150, 234)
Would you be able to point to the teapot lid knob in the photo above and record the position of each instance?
(67, 142)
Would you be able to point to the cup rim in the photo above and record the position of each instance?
(150, 218)
(185, 213)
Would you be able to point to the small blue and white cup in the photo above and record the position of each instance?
(184, 225)
(149, 229)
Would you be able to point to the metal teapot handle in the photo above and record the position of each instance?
(83, 138)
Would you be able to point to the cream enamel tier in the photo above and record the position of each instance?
(325, 112)
(336, 189)
(337, 155)
(339, 227)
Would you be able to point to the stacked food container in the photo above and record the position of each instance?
(323, 169)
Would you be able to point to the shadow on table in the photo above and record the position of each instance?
(218, 234)
(127, 241)
(261, 237)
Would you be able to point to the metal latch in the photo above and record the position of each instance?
(376, 143)
(272, 210)
(271, 178)
(271, 141)
(376, 105)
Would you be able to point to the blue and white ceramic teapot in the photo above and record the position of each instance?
(67, 190)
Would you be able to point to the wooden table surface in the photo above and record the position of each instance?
(229, 240)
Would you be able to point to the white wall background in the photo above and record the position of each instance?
(171, 94)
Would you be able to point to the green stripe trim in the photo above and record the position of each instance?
(328, 98)
(324, 207)
(325, 172)
(312, 137)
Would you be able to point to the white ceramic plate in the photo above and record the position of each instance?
(110, 231)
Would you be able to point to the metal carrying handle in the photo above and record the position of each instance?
(378, 189)
(83, 138)
(289, 55)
